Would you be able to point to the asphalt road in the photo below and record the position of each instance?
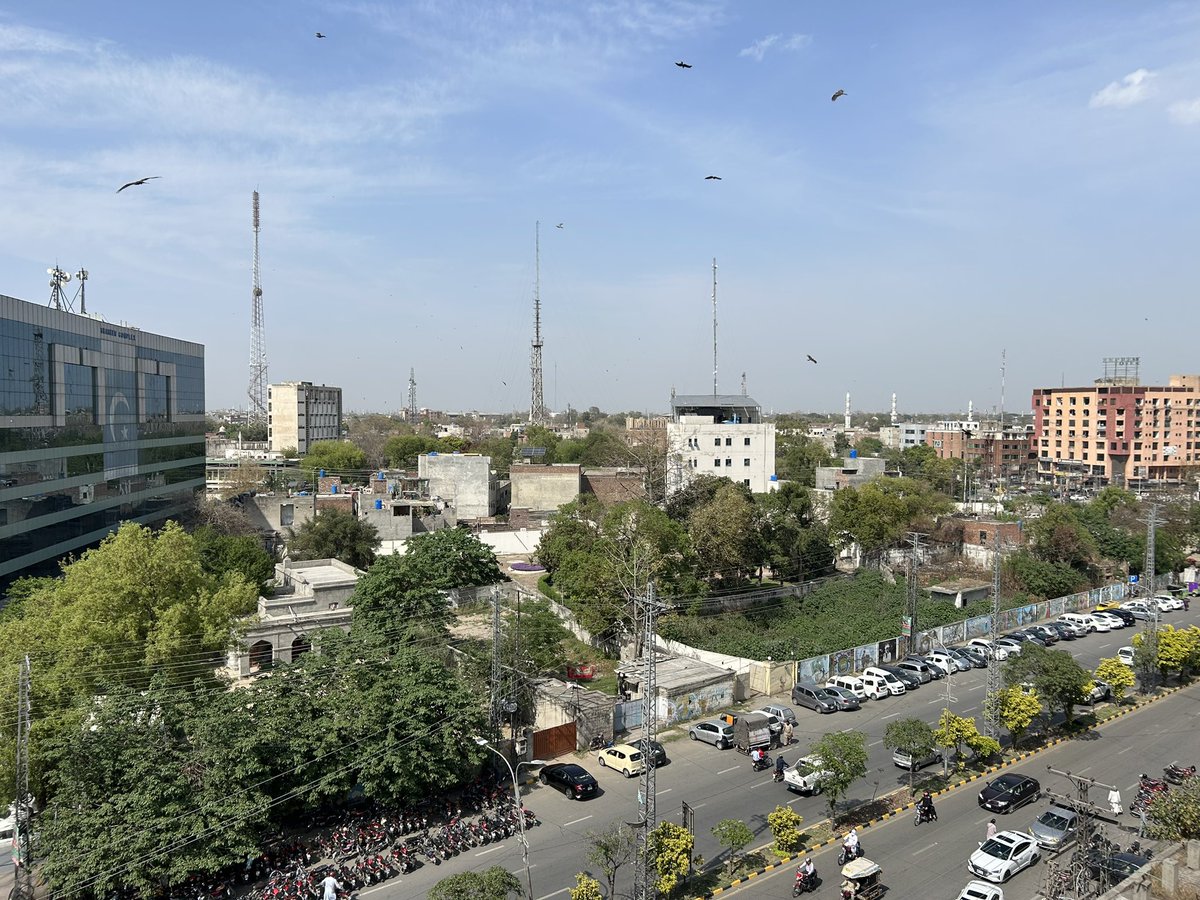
(721, 785)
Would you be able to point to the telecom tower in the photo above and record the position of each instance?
(714, 301)
(537, 402)
(412, 396)
(257, 391)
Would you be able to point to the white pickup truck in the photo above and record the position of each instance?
(804, 775)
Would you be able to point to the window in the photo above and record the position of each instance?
(728, 442)
(746, 482)
(717, 463)
(716, 442)
(746, 442)
(728, 461)
(746, 461)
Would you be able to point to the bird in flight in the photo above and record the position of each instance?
(139, 181)
(559, 225)
(810, 359)
(320, 35)
(838, 93)
(712, 177)
(683, 65)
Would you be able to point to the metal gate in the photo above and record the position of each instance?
(553, 742)
(627, 715)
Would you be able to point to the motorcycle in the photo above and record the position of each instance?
(763, 762)
(599, 742)
(924, 814)
(1177, 774)
(804, 882)
(847, 854)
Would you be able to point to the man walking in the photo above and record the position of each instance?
(991, 830)
(330, 886)
(1114, 800)
(788, 731)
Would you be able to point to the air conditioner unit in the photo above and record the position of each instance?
(520, 745)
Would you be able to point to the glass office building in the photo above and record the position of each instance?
(99, 424)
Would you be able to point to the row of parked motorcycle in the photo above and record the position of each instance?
(1151, 788)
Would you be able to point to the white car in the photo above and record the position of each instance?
(1113, 622)
(1125, 655)
(1003, 855)
(981, 890)
(805, 776)
(1167, 602)
(989, 649)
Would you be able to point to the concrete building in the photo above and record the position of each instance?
(722, 435)
(308, 596)
(300, 413)
(979, 539)
(997, 451)
(1117, 431)
(541, 488)
(902, 435)
(853, 472)
(614, 484)
(99, 424)
(465, 481)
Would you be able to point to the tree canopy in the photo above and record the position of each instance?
(843, 756)
(336, 458)
(878, 513)
(452, 558)
(333, 534)
(1054, 674)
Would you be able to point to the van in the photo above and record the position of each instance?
(850, 683)
(893, 684)
(875, 686)
(808, 694)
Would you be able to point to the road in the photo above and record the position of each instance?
(721, 785)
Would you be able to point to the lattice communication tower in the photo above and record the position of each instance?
(257, 391)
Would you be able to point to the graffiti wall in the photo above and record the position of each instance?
(841, 662)
(865, 656)
(696, 704)
(885, 652)
(815, 670)
(980, 626)
(954, 633)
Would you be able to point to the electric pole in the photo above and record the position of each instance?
(914, 540)
(497, 671)
(23, 876)
(1081, 880)
(643, 873)
(1148, 663)
(991, 708)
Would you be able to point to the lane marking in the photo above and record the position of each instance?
(970, 709)
(555, 894)
(726, 771)
(1102, 646)
(489, 850)
(663, 791)
(1126, 750)
(890, 716)
(935, 700)
(760, 784)
(576, 821)
(874, 743)
(1084, 769)
(378, 887)
(923, 849)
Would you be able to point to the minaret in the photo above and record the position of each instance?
(893, 408)
(847, 410)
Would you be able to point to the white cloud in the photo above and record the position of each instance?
(1185, 112)
(1130, 90)
(759, 48)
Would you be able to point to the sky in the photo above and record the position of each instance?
(1015, 178)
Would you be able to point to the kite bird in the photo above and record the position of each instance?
(810, 359)
(559, 225)
(139, 181)
(838, 93)
(320, 35)
(712, 177)
(683, 65)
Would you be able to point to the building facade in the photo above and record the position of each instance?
(466, 481)
(722, 435)
(902, 435)
(995, 450)
(1118, 432)
(99, 424)
(300, 413)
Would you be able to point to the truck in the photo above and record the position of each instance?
(804, 776)
(751, 731)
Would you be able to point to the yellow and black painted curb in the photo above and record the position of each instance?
(795, 857)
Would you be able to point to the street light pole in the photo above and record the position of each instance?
(521, 839)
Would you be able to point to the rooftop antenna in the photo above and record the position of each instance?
(81, 276)
(537, 402)
(1003, 372)
(893, 407)
(847, 420)
(257, 390)
(58, 297)
(714, 326)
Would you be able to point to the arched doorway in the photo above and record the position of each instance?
(300, 646)
(261, 656)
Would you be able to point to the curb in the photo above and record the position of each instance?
(787, 860)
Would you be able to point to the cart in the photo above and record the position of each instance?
(863, 880)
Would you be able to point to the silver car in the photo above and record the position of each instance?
(1054, 828)
(845, 700)
(712, 731)
(905, 761)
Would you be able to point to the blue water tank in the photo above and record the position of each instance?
(432, 453)
(320, 473)
(379, 504)
(854, 454)
(774, 477)
(334, 488)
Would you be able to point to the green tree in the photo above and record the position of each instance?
(586, 888)
(724, 537)
(798, 456)
(879, 512)
(843, 756)
(784, 823)
(536, 639)
(610, 848)
(794, 545)
(1175, 650)
(392, 599)
(698, 492)
(1054, 674)
(540, 436)
(1116, 674)
(869, 446)
(912, 736)
(496, 883)
(333, 534)
(1040, 578)
(671, 849)
(222, 553)
(499, 450)
(1175, 814)
(734, 835)
(1059, 536)
(573, 529)
(402, 450)
(959, 732)
(452, 558)
(336, 458)
(1016, 709)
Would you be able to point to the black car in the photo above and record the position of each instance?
(1006, 793)
(653, 751)
(1115, 867)
(1048, 635)
(572, 779)
(1123, 614)
(975, 657)
(911, 681)
(1064, 633)
(1026, 637)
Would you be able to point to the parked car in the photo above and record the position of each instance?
(847, 701)
(1113, 621)
(625, 759)
(905, 760)
(712, 731)
(1046, 633)
(1077, 628)
(980, 890)
(948, 661)
(1054, 828)
(1003, 855)
(1101, 690)
(1123, 614)
(984, 645)
(880, 686)
(1125, 655)
(1064, 631)
(977, 657)
(808, 694)
(652, 751)
(935, 670)
(910, 680)
(571, 778)
(1140, 609)
(894, 684)
(773, 722)
(783, 713)
(852, 684)
(1025, 637)
(1169, 601)
(1011, 644)
(1114, 867)
(1008, 792)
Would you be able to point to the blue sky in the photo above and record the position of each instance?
(1017, 176)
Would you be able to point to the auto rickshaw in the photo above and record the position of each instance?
(863, 880)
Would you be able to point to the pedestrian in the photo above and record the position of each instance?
(788, 731)
(1114, 800)
(991, 830)
(331, 887)
(1185, 603)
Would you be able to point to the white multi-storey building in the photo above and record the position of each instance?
(722, 435)
(300, 413)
